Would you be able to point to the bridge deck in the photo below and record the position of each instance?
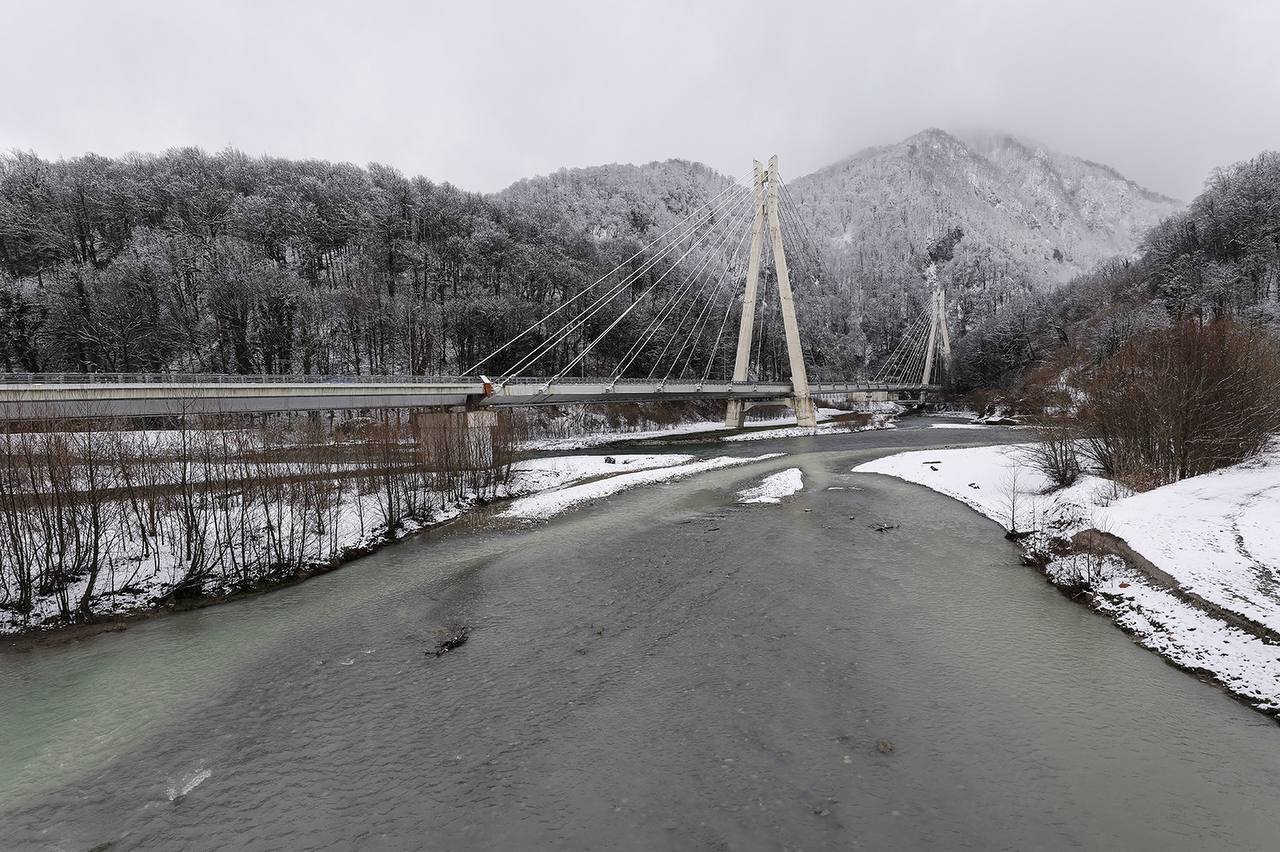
(40, 396)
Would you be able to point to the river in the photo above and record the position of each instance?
(662, 669)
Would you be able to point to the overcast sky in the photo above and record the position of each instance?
(483, 93)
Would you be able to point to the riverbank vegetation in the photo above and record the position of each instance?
(95, 520)
(1155, 368)
(1169, 404)
(101, 517)
(192, 262)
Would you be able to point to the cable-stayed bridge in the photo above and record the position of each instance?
(704, 310)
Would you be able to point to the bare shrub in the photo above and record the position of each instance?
(1088, 561)
(1182, 401)
(89, 511)
(1055, 453)
(1084, 570)
(1010, 490)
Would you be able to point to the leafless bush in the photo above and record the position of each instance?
(1083, 570)
(1087, 562)
(1010, 489)
(1055, 452)
(1182, 401)
(89, 510)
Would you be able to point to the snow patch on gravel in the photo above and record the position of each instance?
(578, 442)
(774, 487)
(539, 507)
(878, 421)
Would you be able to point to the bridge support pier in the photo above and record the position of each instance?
(806, 411)
(735, 414)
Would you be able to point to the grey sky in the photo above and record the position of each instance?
(483, 93)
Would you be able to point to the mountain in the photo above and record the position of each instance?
(1216, 260)
(1000, 216)
(222, 262)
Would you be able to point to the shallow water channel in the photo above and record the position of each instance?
(661, 669)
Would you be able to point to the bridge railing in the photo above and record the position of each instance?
(596, 380)
(227, 378)
(221, 378)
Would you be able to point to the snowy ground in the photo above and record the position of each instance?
(878, 421)
(534, 475)
(542, 506)
(774, 487)
(1218, 534)
(579, 442)
(1214, 534)
(998, 483)
(1185, 634)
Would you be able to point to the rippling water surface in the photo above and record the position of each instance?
(662, 670)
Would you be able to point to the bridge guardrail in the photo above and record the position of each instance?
(221, 378)
(232, 378)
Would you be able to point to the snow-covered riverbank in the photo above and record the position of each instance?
(1214, 535)
(200, 545)
(778, 427)
(547, 504)
(135, 577)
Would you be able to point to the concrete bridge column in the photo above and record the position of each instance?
(735, 410)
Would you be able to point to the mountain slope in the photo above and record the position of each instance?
(1000, 216)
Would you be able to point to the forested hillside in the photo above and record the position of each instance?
(1219, 259)
(197, 262)
(222, 262)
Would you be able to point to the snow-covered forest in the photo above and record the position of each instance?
(223, 262)
(196, 262)
(1219, 259)
(1002, 220)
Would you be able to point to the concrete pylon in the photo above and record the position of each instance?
(932, 345)
(736, 409)
(939, 336)
(942, 324)
(766, 199)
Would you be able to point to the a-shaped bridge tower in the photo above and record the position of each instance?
(765, 194)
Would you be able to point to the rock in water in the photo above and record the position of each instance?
(451, 637)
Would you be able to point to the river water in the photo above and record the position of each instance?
(664, 669)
